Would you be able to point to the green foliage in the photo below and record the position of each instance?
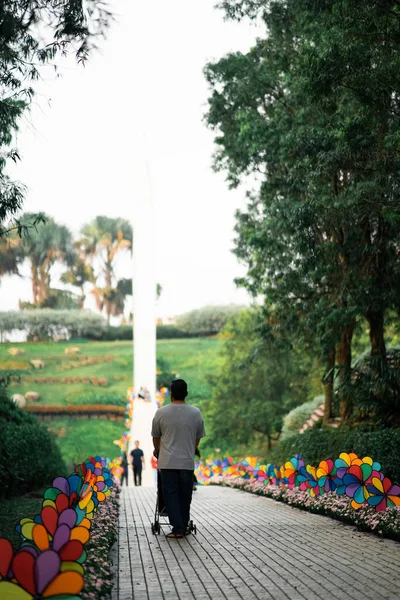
(32, 34)
(48, 323)
(13, 509)
(86, 437)
(312, 111)
(170, 332)
(125, 332)
(376, 390)
(320, 444)
(256, 384)
(208, 320)
(296, 418)
(29, 457)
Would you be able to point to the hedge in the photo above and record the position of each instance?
(125, 332)
(208, 320)
(29, 456)
(316, 445)
(50, 324)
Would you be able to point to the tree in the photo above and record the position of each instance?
(259, 381)
(320, 237)
(79, 274)
(34, 33)
(102, 241)
(44, 246)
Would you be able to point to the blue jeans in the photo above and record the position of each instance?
(177, 489)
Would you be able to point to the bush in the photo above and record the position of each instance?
(170, 332)
(29, 456)
(208, 320)
(298, 416)
(41, 324)
(320, 444)
(125, 332)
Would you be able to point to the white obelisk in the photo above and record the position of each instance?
(144, 311)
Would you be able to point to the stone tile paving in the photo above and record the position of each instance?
(249, 548)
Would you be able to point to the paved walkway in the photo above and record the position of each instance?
(248, 548)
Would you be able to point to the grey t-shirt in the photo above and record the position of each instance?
(179, 426)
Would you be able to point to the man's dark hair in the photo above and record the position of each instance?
(179, 389)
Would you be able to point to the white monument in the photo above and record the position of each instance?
(144, 314)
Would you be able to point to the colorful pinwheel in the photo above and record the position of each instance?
(326, 473)
(291, 470)
(383, 493)
(27, 576)
(307, 477)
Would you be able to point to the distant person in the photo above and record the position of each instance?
(124, 465)
(154, 462)
(137, 463)
(177, 430)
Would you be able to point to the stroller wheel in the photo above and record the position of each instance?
(195, 529)
(153, 531)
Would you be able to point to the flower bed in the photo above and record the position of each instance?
(96, 381)
(98, 565)
(385, 523)
(71, 409)
(64, 550)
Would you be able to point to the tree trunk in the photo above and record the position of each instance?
(328, 384)
(376, 323)
(343, 354)
(35, 284)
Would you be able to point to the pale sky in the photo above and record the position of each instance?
(79, 145)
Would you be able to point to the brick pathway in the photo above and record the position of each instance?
(249, 548)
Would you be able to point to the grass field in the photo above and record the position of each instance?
(194, 359)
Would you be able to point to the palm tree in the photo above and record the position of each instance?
(45, 245)
(78, 274)
(102, 240)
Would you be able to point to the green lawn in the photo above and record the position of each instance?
(12, 510)
(194, 359)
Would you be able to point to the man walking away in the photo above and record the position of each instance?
(177, 430)
(137, 463)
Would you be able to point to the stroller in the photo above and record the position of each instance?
(161, 512)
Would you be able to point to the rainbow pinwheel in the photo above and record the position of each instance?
(291, 470)
(383, 493)
(307, 478)
(326, 473)
(25, 575)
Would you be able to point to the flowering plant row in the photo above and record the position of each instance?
(77, 409)
(385, 523)
(359, 479)
(84, 361)
(49, 562)
(100, 381)
(98, 564)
